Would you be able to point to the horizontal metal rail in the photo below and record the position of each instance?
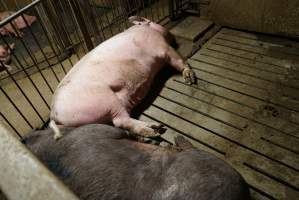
(18, 13)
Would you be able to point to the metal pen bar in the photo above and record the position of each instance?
(28, 76)
(76, 33)
(50, 43)
(22, 91)
(16, 107)
(107, 18)
(57, 22)
(114, 16)
(144, 8)
(10, 125)
(171, 9)
(32, 82)
(119, 15)
(79, 18)
(4, 5)
(30, 53)
(87, 8)
(151, 10)
(27, 67)
(123, 14)
(13, 54)
(18, 13)
(76, 30)
(39, 46)
(98, 16)
(157, 10)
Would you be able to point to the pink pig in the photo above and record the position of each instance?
(18, 24)
(109, 81)
(5, 56)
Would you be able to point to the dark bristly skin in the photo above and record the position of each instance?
(100, 162)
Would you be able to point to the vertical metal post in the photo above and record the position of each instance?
(79, 17)
(51, 8)
(171, 9)
(87, 11)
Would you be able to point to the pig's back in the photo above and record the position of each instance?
(98, 163)
(140, 43)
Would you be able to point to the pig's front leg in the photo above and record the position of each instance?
(138, 127)
(177, 62)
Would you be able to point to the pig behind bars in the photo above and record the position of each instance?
(16, 25)
(5, 56)
(109, 81)
(100, 162)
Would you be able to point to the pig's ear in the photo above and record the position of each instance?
(12, 45)
(137, 20)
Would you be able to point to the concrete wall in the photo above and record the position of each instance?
(269, 16)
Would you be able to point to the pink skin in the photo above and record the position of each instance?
(18, 24)
(5, 55)
(114, 77)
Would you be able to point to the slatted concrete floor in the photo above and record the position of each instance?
(244, 109)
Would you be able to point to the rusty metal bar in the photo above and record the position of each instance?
(77, 32)
(55, 19)
(50, 44)
(23, 176)
(171, 9)
(79, 17)
(99, 20)
(40, 47)
(18, 13)
(86, 9)
(16, 107)
(23, 93)
(108, 21)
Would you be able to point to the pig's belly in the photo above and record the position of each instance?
(97, 93)
(128, 79)
(76, 107)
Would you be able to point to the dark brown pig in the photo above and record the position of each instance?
(113, 78)
(101, 162)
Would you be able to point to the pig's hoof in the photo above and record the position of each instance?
(148, 132)
(152, 130)
(158, 128)
(189, 76)
(57, 136)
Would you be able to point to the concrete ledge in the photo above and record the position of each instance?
(22, 176)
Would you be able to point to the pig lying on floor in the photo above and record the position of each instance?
(99, 162)
(109, 81)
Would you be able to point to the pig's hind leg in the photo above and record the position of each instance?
(175, 60)
(146, 129)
